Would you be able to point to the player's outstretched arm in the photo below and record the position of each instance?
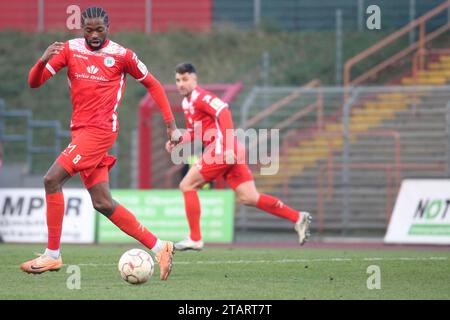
(158, 94)
(40, 72)
(138, 70)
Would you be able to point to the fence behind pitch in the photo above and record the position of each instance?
(343, 160)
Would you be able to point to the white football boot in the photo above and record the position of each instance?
(189, 244)
(302, 227)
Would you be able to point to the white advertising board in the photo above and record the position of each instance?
(421, 214)
(23, 216)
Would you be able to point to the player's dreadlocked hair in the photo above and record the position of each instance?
(95, 12)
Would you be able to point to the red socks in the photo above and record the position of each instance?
(55, 216)
(275, 206)
(192, 205)
(265, 202)
(128, 223)
(121, 217)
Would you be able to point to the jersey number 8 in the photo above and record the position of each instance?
(76, 159)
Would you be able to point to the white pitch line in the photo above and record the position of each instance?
(216, 262)
(288, 261)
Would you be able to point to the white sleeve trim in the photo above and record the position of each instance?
(50, 68)
(219, 138)
(220, 109)
(145, 75)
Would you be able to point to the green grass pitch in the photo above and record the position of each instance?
(236, 273)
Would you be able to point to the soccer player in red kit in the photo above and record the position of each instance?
(220, 158)
(96, 72)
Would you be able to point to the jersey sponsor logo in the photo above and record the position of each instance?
(80, 56)
(109, 61)
(84, 76)
(217, 104)
(92, 69)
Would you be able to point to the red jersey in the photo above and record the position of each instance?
(97, 81)
(203, 110)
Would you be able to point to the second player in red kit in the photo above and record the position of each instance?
(223, 157)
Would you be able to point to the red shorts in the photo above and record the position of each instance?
(234, 173)
(87, 154)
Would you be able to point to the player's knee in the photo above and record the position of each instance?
(247, 200)
(185, 186)
(104, 206)
(50, 183)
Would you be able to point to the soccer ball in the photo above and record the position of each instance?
(136, 266)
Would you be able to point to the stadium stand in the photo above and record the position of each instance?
(392, 133)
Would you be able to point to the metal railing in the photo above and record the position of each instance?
(28, 135)
(391, 187)
(281, 103)
(310, 15)
(316, 106)
(418, 45)
(377, 138)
